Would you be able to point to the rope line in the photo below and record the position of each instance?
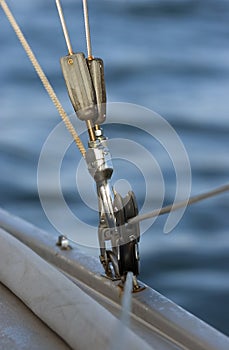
(43, 77)
(173, 207)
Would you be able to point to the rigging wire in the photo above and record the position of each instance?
(119, 339)
(43, 77)
(87, 30)
(65, 118)
(90, 57)
(176, 206)
(64, 27)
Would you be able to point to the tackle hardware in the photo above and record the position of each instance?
(96, 69)
(84, 78)
(79, 86)
(85, 84)
(109, 227)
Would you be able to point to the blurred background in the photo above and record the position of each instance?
(170, 56)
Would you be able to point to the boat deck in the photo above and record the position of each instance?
(155, 319)
(21, 329)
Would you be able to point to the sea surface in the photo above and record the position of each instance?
(169, 56)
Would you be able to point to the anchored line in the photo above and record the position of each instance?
(182, 204)
(43, 77)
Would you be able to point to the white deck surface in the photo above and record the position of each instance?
(21, 329)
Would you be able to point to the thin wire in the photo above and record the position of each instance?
(87, 30)
(172, 207)
(43, 77)
(64, 27)
(71, 128)
(119, 338)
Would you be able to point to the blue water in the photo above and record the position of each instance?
(169, 56)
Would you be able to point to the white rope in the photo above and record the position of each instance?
(179, 205)
(43, 77)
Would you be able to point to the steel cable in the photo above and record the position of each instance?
(87, 30)
(176, 206)
(165, 210)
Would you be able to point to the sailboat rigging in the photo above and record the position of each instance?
(119, 216)
(111, 282)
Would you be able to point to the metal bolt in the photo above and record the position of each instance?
(63, 242)
(98, 133)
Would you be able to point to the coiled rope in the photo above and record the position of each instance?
(43, 77)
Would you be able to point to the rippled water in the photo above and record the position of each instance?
(169, 56)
